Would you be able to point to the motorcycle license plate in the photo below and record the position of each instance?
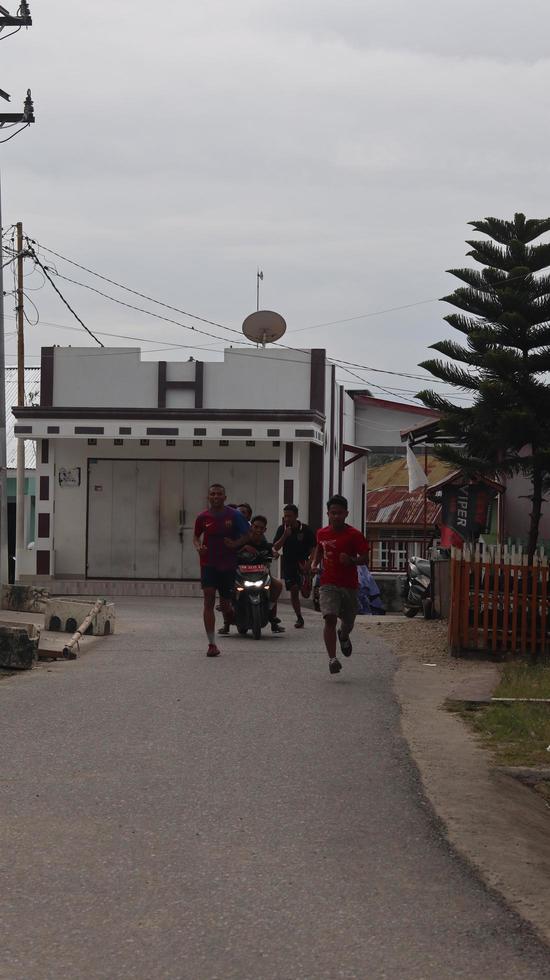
(251, 568)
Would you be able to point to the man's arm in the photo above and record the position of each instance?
(281, 535)
(316, 557)
(197, 536)
(361, 556)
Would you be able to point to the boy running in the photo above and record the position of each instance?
(297, 542)
(340, 548)
(219, 532)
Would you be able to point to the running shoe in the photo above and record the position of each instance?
(345, 644)
(334, 665)
(213, 650)
(223, 630)
(299, 624)
(275, 628)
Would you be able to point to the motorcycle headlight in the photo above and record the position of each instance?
(252, 585)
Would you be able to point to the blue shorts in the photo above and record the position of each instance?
(222, 581)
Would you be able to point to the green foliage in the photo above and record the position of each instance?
(502, 360)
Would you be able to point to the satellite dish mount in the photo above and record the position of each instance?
(264, 327)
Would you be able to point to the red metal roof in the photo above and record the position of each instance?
(358, 396)
(397, 507)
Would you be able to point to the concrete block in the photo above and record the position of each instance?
(24, 598)
(66, 615)
(18, 650)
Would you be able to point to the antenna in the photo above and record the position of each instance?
(264, 327)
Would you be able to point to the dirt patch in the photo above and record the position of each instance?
(424, 640)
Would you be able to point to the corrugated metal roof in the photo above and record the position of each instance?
(396, 506)
(396, 474)
(32, 397)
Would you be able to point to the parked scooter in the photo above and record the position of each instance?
(417, 587)
(252, 581)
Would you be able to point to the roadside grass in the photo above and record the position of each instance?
(518, 734)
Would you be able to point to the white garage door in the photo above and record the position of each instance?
(137, 507)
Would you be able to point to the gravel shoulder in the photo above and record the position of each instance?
(499, 826)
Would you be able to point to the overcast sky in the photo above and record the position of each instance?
(340, 145)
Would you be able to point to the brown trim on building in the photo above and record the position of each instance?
(288, 492)
(161, 385)
(44, 488)
(199, 384)
(315, 501)
(43, 525)
(341, 440)
(44, 451)
(46, 377)
(317, 380)
(331, 433)
(173, 414)
(42, 562)
(164, 385)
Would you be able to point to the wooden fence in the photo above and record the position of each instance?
(499, 602)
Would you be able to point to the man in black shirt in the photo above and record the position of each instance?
(297, 542)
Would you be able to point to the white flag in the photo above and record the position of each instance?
(417, 477)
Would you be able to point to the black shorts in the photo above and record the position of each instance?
(213, 578)
(293, 577)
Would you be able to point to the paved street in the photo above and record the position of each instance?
(169, 816)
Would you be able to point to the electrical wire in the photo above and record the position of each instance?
(4, 37)
(128, 289)
(157, 316)
(8, 138)
(60, 294)
(33, 304)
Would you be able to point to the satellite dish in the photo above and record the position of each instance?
(264, 327)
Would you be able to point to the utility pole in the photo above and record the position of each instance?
(20, 482)
(4, 577)
(9, 119)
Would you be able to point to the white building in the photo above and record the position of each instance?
(126, 450)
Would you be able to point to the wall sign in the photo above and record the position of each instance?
(69, 477)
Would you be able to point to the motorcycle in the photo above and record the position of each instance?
(252, 581)
(417, 587)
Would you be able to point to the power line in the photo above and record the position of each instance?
(8, 138)
(60, 294)
(341, 362)
(135, 292)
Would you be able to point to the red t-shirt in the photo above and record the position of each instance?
(347, 541)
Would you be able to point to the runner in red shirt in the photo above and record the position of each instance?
(340, 548)
(219, 532)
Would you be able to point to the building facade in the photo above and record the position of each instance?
(126, 450)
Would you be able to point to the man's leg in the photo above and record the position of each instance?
(209, 617)
(348, 612)
(275, 590)
(226, 583)
(330, 607)
(329, 634)
(295, 600)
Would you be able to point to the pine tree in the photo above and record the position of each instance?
(503, 360)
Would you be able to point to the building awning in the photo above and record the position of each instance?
(299, 425)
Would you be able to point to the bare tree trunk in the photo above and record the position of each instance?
(535, 513)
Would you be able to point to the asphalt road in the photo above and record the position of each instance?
(250, 817)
